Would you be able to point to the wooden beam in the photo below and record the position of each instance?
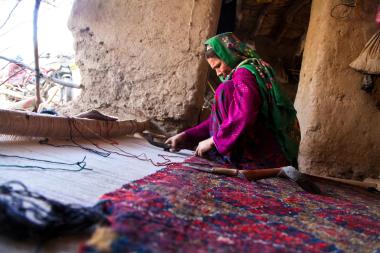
(262, 12)
(260, 19)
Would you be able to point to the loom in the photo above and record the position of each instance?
(31, 124)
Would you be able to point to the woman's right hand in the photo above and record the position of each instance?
(176, 142)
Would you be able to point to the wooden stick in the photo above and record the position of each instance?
(36, 55)
(272, 172)
(248, 174)
(357, 183)
(11, 93)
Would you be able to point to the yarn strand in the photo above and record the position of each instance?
(81, 164)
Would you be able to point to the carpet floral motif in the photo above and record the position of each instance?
(179, 209)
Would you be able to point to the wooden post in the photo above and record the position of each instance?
(36, 56)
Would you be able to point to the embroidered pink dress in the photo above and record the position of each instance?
(237, 127)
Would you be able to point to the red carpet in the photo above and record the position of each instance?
(182, 210)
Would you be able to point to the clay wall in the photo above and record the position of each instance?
(143, 59)
(339, 121)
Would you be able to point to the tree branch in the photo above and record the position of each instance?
(52, 79)
(10, 14)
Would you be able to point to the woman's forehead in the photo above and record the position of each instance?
(213, 61)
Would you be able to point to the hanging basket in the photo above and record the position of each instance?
(369, 59)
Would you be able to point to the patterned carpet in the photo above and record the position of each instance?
(182, 210)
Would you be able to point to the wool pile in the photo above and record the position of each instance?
(179, 209)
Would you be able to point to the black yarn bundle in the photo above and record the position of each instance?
(28, 215)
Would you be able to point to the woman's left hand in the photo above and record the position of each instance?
(204, 146)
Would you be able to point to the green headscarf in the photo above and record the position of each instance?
(278, 111)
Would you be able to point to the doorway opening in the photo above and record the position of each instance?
(276, 29)
(56, 55)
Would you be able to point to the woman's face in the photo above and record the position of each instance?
(220, 67)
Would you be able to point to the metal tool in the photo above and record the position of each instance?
(150, 139)
(166, 147)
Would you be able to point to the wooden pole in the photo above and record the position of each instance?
(366, 185)
(36, 55)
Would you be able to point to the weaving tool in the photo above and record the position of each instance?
(60, 127)
(298, 178)
(150, 138)
(215, 170)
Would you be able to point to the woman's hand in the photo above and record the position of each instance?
(176, 142)
(204, 146)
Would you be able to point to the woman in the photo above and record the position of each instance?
(251, 123)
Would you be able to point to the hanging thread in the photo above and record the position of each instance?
(105, 152)
(81, 164)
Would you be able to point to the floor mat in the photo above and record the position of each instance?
(179, 209)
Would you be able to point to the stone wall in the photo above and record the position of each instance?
(339, 122)
(142, 58)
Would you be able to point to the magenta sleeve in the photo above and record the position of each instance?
(243, 111)
(199, 132)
